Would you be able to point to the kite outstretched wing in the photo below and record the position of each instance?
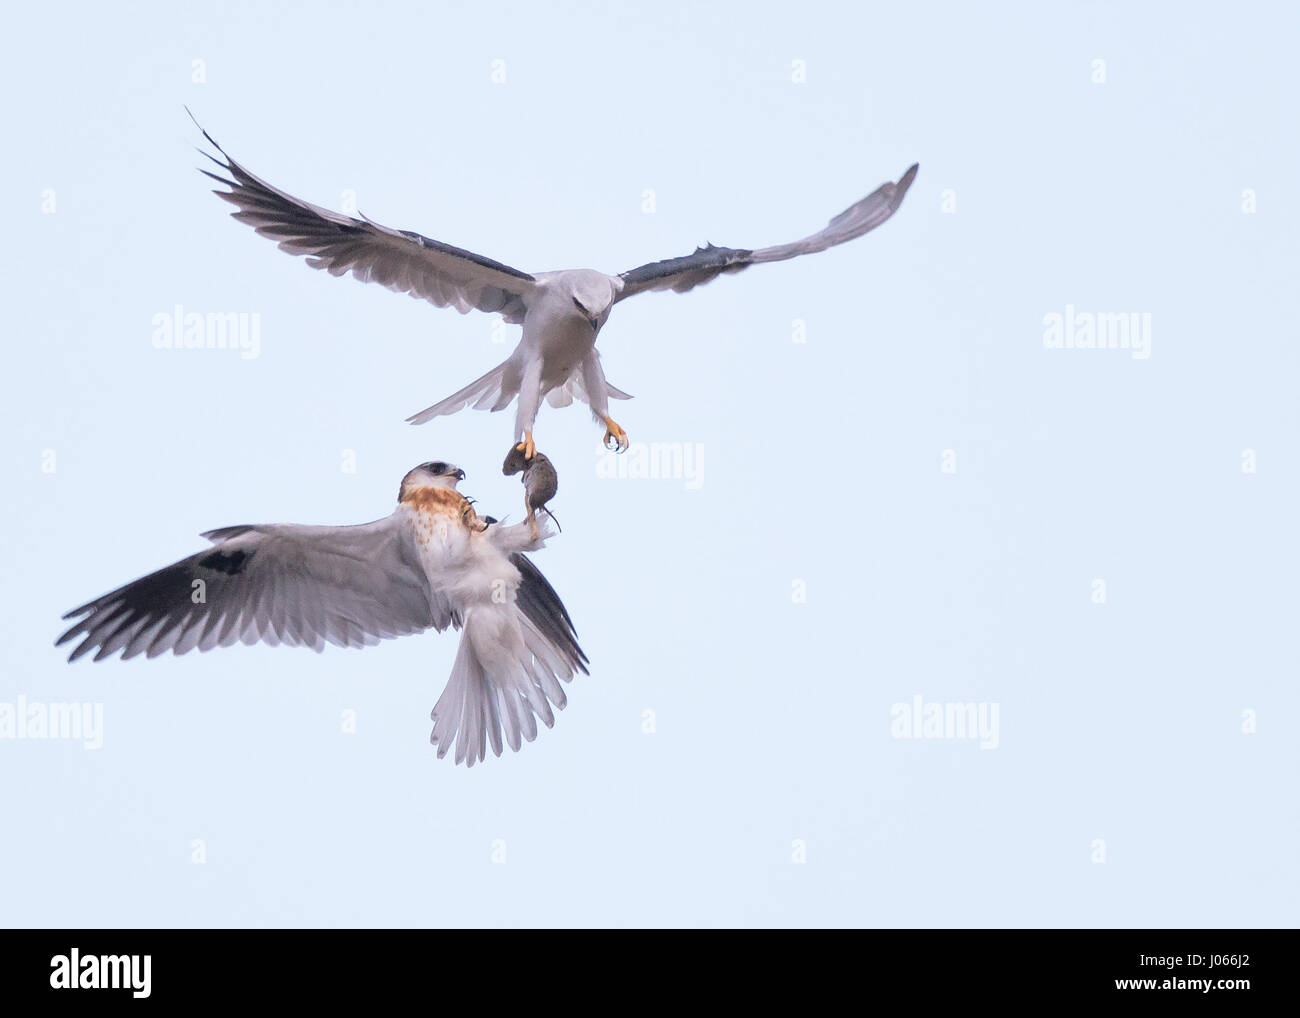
(709, 262)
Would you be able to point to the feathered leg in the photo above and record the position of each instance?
(530, 398)
(597, 393)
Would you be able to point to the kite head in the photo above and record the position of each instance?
(593, 294)
(434, 474)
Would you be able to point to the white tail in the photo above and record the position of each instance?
(493, 391)
(506, 676)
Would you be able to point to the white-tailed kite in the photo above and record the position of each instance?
(433, 563)
(561, 312)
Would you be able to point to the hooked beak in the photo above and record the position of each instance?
(592, 320)
(459, 474)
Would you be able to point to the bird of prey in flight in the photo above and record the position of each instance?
(561, 312)
(433, 563)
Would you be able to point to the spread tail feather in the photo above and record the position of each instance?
(563, 395)
(505, 677)
(493, 391)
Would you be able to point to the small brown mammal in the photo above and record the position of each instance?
(540, 481)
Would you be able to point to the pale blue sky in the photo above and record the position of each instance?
(822, 463)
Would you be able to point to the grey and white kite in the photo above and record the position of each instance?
(433, 563)
(561, 312)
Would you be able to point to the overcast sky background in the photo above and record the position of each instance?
(1127, 787)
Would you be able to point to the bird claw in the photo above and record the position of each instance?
(527, 447)
(616, 435)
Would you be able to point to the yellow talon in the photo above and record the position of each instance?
(615, 434)
(526, 446)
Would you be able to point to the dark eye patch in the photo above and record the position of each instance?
(436, 468)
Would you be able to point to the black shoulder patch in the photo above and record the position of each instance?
(228, 562)
(469, 256)
(705, 259)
